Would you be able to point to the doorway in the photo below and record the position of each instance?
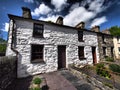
(61, 57)
(94, 55)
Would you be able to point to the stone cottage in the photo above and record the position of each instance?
(45, 46)
(105, 43)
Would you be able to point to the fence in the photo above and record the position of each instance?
(8, 70)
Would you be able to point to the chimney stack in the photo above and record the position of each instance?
(60, 20)
(96, 29)
(107, 31)
(26, 13)
(80, 25)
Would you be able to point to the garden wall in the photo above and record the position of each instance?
(8, 71)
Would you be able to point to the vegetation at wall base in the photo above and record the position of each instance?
(101, 70)
(110, 59)
(114, 68)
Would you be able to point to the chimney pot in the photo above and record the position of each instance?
(80, 25)
(60, 20)
(96, 29)
(26, 12)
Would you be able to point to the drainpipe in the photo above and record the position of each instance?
(12, 47)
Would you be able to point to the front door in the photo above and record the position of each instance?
(61, 57)
(94, 55)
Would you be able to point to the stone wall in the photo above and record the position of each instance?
(97, 84)
(7, 71)
(54, 35)
(108, 43)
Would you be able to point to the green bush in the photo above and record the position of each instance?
(100, 70)
(2, 47)
(114, 68)
(37, 80)
(110, 59)
(100, 65)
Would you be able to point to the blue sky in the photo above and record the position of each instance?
(104, 13)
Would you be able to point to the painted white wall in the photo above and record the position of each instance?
(53, 36)
(116, 46)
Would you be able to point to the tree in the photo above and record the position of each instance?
(115, 31)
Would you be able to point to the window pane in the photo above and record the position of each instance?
(119, 49)
(104, 50)
(37, 53)
(81, 52)
(80, 35)
(38, 30)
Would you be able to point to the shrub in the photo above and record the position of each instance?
(100, 69)
(2, 47)
(100, 65)
(110, 59)
(37, 80)
(114, 68)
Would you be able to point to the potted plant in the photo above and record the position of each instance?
(36, 82)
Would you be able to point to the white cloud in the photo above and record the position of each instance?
(77, 15)
(78, 12)
(6, 27)
(98, 21)
(42, 9)
(76, 5)
(52, 18)
(29, 1)
(97, 6)
(59, 4)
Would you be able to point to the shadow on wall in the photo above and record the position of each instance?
(21, 84)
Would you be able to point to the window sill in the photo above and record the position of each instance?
(81, 40)
(82, 58)
(36, 61)
(38, 36)
(104, 42)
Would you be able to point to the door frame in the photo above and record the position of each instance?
(63, 61)
(94, 55)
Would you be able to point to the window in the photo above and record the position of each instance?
(37, 53)
(112, 51)
(38, 30)
(104, 51)
(118, 39)
(119, 49)
(103, 38)
(80, 36)
(81, 52)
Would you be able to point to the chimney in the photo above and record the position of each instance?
(96, 29)
(80, 25)
(60, 20)
(107, 31)
(26, 13)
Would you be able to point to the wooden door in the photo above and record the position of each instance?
(61, 57)
(94, 55)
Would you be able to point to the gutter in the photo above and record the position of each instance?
(12, 47)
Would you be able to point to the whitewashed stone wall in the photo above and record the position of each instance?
(53, 36)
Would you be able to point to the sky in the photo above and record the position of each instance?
(104, 13)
